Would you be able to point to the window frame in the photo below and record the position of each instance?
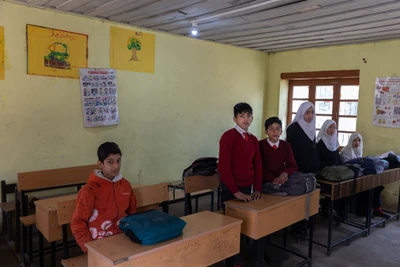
(313, 83)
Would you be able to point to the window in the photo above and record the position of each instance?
(335, 99)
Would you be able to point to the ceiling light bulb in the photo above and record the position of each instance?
(195, 30)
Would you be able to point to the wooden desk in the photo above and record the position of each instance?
(272, 213)
(207, 238)
(338, 190)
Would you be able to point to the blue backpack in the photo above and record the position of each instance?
(151, 227)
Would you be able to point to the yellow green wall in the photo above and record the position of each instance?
(167, 119)
(381, 60)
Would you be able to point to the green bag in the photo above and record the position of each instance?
(335, 173)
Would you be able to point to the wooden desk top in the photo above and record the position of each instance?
(337, 190)
(50, 204)
(266, 203)
(119, 248)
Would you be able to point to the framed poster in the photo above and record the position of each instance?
(132, 50)
(386, 111)
(99, 97)
(58, 53)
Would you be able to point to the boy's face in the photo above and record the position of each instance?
(309, 115)
(356, 142)
(111, 166)
(244, 120)
(331, 129)
(274, 131)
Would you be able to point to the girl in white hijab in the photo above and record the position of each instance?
(300, 134)
(353, 149)
(328, 144)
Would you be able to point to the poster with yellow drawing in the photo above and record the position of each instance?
(2, 55)
(53, 52)
(132, 50)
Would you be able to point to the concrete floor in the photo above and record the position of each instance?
(381, 248)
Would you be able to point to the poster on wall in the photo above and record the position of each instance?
(132, 50)
(58, 53)
(99, 97)
(2, 55)
(386, 112)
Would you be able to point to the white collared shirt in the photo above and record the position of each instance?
(273, 144)
(241, 131)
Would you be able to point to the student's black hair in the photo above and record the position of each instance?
(242, 108)
(272, 120)
(106, 149)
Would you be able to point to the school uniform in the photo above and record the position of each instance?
(276, 158)
(328, 146)
(239, 163)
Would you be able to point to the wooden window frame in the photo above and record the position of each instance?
(317, 79)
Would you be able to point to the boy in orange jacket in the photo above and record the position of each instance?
(104, 200)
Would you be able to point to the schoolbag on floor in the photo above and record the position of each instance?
(297, 184)
(335, 173)
(202, 166)
(151, 227)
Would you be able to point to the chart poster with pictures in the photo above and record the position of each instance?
(386, 112)
(99, 97)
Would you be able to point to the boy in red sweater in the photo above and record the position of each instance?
(277, 157)
(104, 200)
(239, 162)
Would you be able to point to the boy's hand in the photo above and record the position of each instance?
(256, 195)
(242, 196)
(281, 179)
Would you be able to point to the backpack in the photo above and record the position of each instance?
(151, 227)
(297, 184)
(335, 173)
(202, 166)
(393, 161)
(371, 165)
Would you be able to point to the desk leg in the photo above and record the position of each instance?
(346, 209)
(188, 204)
(30, 245)
(330, 218)
(311, 240)
(212, 201)
(53, 254)
(24, 200)
(65, 241)
(255, 253)
(41, 253)
(369, 211)
(17, 222)
(196, 209)
(9, 226)
(284, 237)
(398, 206)
(165, 207)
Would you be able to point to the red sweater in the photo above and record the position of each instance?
(239, 162)
(274, 162)
(100, 205)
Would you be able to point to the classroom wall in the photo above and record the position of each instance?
(168, 119)
(380, 62)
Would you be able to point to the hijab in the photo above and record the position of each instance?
(349, 152)
(308, 127)
(331, 141)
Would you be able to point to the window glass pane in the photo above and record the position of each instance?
(324, 92)
(348, 108)
(343, 138)
(300, 91)
(320, 120)
(293, 115)
(323, 107)
(296, 104)
(349, 92)
(347, 124)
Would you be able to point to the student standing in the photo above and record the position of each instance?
(300, 134)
